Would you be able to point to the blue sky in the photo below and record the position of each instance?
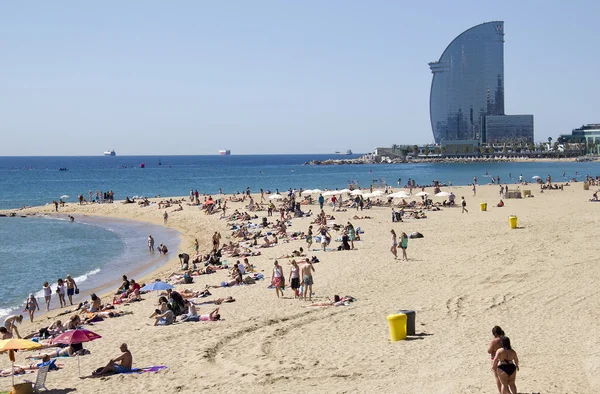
(192, 77)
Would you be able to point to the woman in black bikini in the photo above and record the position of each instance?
(506, 365)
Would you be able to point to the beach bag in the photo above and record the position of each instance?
(77, 291)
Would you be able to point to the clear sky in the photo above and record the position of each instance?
(192, 77)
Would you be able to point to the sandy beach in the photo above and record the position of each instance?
(470, 272)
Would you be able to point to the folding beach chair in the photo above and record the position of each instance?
(40, 380)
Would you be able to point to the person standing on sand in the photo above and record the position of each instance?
(165, 217)
(321, 201)
(493, 347)
(60, 290)
(196, 245)
(47, 295)
(294, 278)
(277, 278)
(404, 245)
(150, 243)
(464, 205)
(307, 279)
(394, 248)
(309, 238)
(31, 305)
(71, 288)
(506, 365)
(216, 240)
(474, 190)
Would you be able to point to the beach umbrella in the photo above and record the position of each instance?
(330, 193)
(275, 197)
(536, 177)
(209, 202)
(443, 194)
(378, 193)
(368, 195)
(356, 192)
(345, 191)
(307, 192)
(420, 194)
(156, 286)
(71, 337)
(400, 194)
(13, 344)
(316, 191)
(64, 197)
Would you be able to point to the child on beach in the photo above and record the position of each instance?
(30, 305)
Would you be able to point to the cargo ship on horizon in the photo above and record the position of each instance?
(225, 152)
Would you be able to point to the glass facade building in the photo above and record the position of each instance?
(468, 83)
(508, 129)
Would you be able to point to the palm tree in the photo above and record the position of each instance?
(415, 149)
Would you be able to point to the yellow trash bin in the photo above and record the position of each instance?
(483, 206)
(512, 220)
(397, 324)
(586, 186)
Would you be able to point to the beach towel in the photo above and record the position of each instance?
(146, 369)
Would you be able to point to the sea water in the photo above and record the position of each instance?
(96, 252)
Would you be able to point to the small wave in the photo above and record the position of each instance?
(4, 312)
(78, 280)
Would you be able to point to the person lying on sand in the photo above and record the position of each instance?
(45, 361)
(342, 301)
(218, 301)
(68, 351)
(120, 364)
(212, 316)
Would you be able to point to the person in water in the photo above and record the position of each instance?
(506, 365)
(493, 347)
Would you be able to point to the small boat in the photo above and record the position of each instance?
(110, 153)
(159, 162)
(225, 152)
(63, 169)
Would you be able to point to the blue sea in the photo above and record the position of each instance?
(97, 251)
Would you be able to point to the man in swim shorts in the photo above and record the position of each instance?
(307, 279)
(121, 364)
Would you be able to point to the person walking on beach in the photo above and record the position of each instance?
(165, 217)
(464, 205)
(277, 278)
(404, 245)
(309, 238)
(196, 245)
(150, 243)
(47, 295)
(506, 365)
(60, 290)
(71, 288)
(321, 201)
(474, 190)
(294, 278)
(493, 347)
(394, 248)
(307, 278)
(31, 305)
(10, 323)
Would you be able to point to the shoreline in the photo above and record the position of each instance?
(105, 283)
